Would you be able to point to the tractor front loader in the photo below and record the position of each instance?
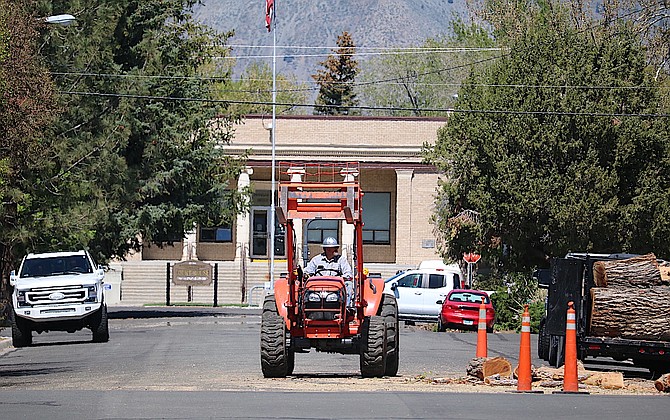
(305, 313)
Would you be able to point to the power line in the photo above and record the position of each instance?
(358, 54)
(381, 82)
(370, 108)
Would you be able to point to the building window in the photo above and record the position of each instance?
(318, 230)
(377, 218)
(216, 234)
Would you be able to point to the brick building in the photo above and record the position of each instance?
(398, 203)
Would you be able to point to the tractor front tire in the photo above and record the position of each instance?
(22, 336)
(276, 357)
(373, 347)
(389, 310)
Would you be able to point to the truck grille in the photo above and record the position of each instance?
(56, 295)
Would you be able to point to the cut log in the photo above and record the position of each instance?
(481, 367)
(631, 313)
(663, 383)
(640, 271)
(497, 380)
(606, 380)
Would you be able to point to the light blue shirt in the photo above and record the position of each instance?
(337, 266)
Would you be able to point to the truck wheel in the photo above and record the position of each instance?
(656, 368)
(276, 357)
(389, 310)
(553, 351)
(100, 325)
(556, 350)
(373, 347)
(22, 336)
(543, 342)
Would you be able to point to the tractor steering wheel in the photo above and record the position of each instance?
(319, 271)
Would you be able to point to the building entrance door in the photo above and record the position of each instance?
(260, 234)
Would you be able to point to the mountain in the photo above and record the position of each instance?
(307, 30)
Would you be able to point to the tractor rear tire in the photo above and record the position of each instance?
(389, 310)
(373, 347)
(22, 336)
(276, 357)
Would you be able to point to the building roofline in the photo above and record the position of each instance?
(341, 117)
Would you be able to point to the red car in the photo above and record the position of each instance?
(460, 310)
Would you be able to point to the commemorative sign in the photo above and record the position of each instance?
(192, 273)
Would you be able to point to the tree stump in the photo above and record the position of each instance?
(481, 367)
(642, 271)
(631, 313)
(663, 383)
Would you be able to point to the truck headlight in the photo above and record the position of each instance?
(92, 293)
(21, 297)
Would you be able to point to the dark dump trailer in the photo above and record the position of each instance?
(571, 279)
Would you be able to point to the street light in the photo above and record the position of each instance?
(63, 20)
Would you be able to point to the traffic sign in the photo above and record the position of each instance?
(471, 257)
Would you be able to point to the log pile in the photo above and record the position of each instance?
(496, 371)
(632, 300)
(637, 314)
(640, 271)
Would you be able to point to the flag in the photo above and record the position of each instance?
(269, 13)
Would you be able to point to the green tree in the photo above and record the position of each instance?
(133, 156)
(255, 88)
(416, 79)
(563, 158)
(27, 108)
(336, 80)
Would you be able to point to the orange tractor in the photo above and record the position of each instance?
(305, 313)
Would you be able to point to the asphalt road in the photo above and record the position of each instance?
(202, 363)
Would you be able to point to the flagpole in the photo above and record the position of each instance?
(274, 129)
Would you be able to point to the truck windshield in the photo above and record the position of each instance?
(54, 266)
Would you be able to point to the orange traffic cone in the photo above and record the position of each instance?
(570, 380)
(524, 376)
(481, 331)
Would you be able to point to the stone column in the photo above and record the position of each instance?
(242, 228)
(189, 251)
(403, 223)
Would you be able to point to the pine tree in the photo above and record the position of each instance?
(134, 154)
(336, 80)
(549, 165)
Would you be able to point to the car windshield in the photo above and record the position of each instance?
(395, 276)
(468, 297)
(53, 266)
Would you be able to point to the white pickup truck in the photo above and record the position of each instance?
(58, 291)
(420, 292)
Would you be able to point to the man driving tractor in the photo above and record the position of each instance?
(331, 263)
